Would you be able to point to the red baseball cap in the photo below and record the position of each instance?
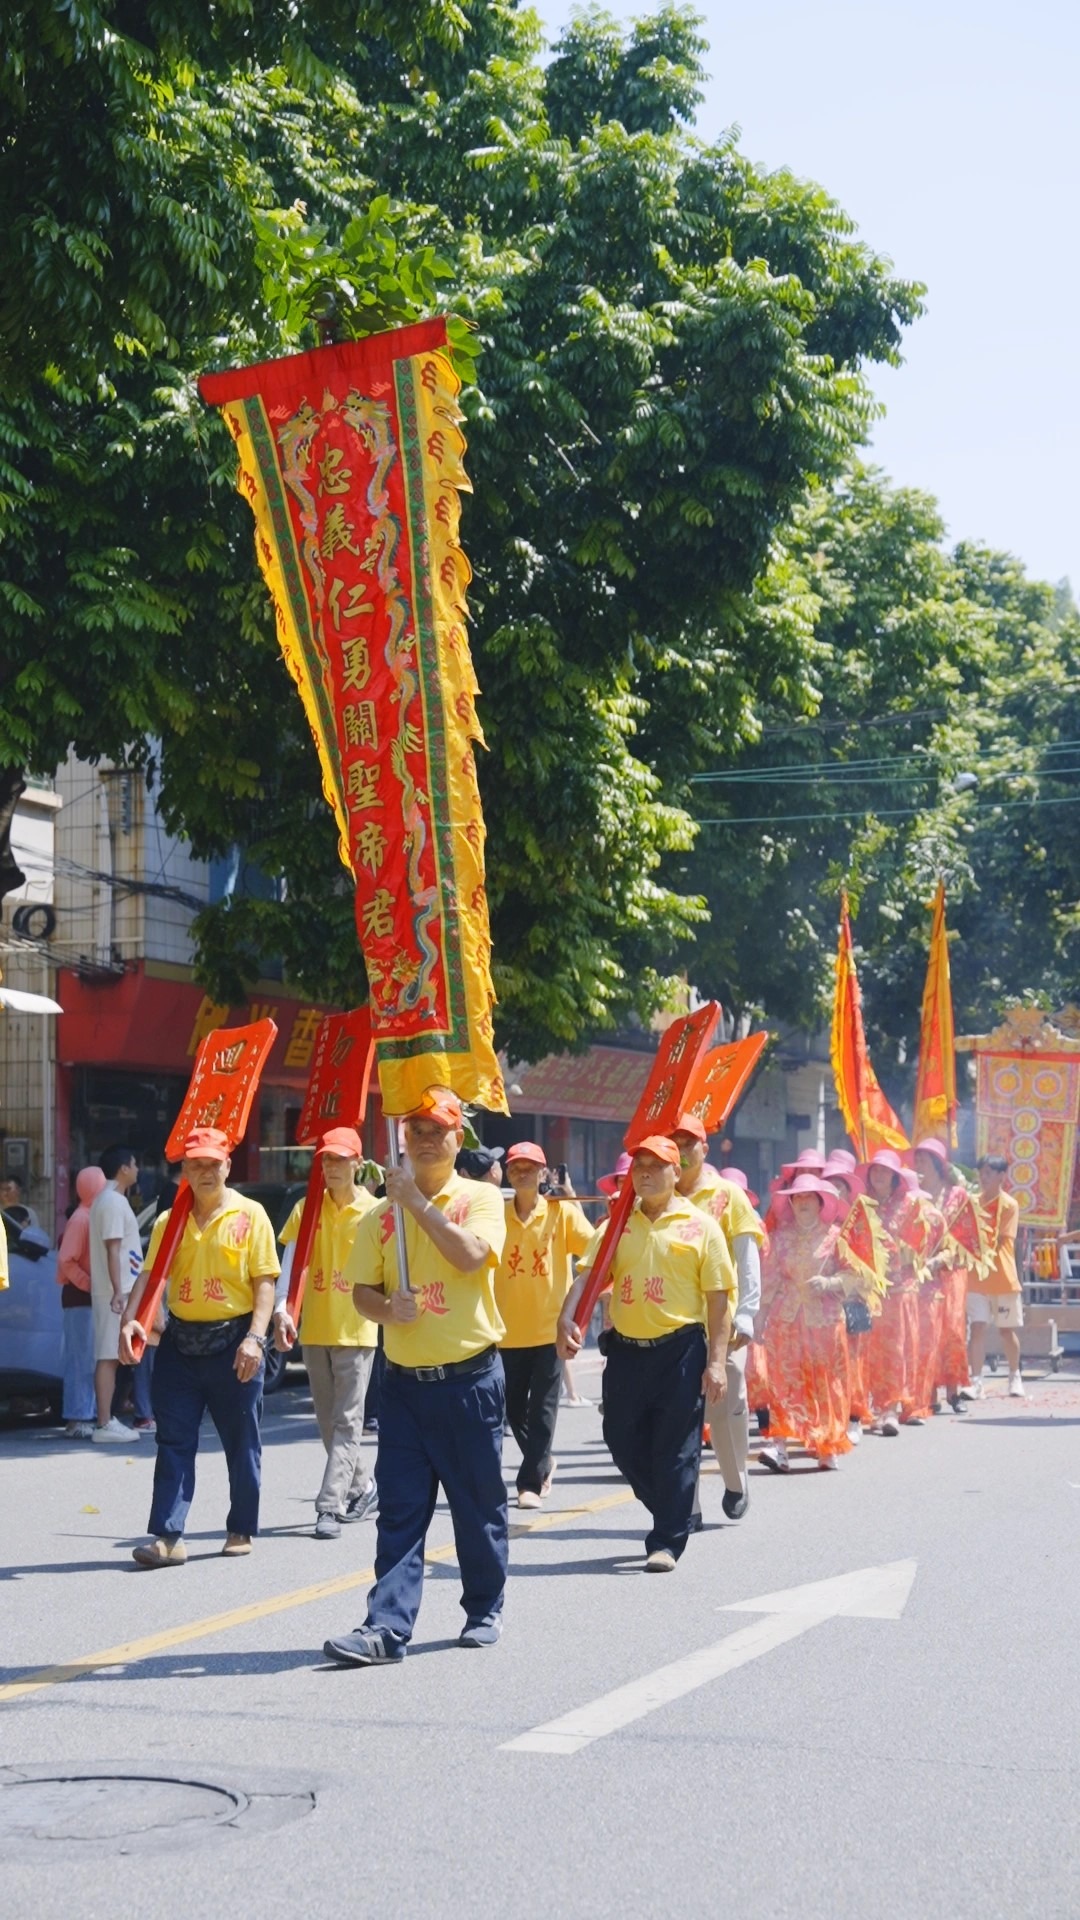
(206, 1143)
(691, 1123)
(344, 1142)
(527, 1150)
(441, 1104)
(660, 1145)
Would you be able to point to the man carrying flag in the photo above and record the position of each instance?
(443, 1401)
(211, 1356)
(728, 1205)
(338, 1343)
(672, 1278)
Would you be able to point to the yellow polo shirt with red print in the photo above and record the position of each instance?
(534, 1273)
(728, 1205)
(328, 1317)
(458, 1315)
(665, 1269)
(215, 1267)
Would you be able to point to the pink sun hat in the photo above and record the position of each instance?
(844, 1166)
(932, 1145)
(813, 1184)
(737, 1178)
(609, 1182)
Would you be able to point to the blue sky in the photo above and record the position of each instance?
(951, 134)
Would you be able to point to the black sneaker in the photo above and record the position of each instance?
(327, 1526)
(735, 1504)
(366, 1647)
(362, 1504)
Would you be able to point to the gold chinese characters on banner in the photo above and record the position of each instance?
(351, 459)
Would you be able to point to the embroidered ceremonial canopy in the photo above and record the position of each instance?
(1027, 1102)
(351, 459)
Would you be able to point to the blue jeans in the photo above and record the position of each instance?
(653, 1413)
(78, 1349)
(446, 1432)
(136, 1383)
(184, 1388)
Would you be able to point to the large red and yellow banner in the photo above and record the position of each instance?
(868, 1117)
(351, 460)
(935, 1085)
(1026, 1108)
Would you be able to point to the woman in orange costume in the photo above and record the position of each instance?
(805, 1342)
(948, 1366)
(842, 1172)
(893, 1363)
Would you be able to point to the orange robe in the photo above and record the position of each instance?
(807, 1385)
(893, 1365)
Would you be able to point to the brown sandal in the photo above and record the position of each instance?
(168, 1550)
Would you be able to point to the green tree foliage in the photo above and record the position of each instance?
(922, 666)
(670, 347)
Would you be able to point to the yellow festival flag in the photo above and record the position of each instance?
(351, 461)
(935, 1086)
(868, 1117)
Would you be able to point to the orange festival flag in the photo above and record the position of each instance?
(935, 1086)
(351, 460)
(868, 1117)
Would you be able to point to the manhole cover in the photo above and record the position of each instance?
(115, 1810)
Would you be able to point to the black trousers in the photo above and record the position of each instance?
(653, 1412)
(533, 1380)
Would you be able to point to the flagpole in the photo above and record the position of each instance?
(393, 1159)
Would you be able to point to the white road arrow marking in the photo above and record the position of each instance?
(873, 1593)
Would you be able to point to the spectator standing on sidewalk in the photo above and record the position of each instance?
(338, 1343)
(77, 1336)
(543, 1232)
(115, 1263)
(211, 1357)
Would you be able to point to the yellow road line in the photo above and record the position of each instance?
(134, 1650)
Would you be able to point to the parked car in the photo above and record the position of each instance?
(31, 1325)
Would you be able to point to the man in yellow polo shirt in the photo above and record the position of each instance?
(443, 1404)
(211, 1357)
(338, 1343)
(997, 1300)
(543, 1232)
(672, 1278)
(729, 1207)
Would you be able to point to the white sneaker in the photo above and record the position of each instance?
(854, 1432)
(1016, 1387)
(828, 1463)
(775, 1458)
(890, 1426)
(79, 1430)
(972, 1392)
(115, 1434)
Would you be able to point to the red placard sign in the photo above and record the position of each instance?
(721, 1080)
(223, 1082)
(220, 1092)
(337, 1090)
(336, 1097)
(678, 1060)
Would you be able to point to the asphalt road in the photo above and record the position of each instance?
(919, 1765)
